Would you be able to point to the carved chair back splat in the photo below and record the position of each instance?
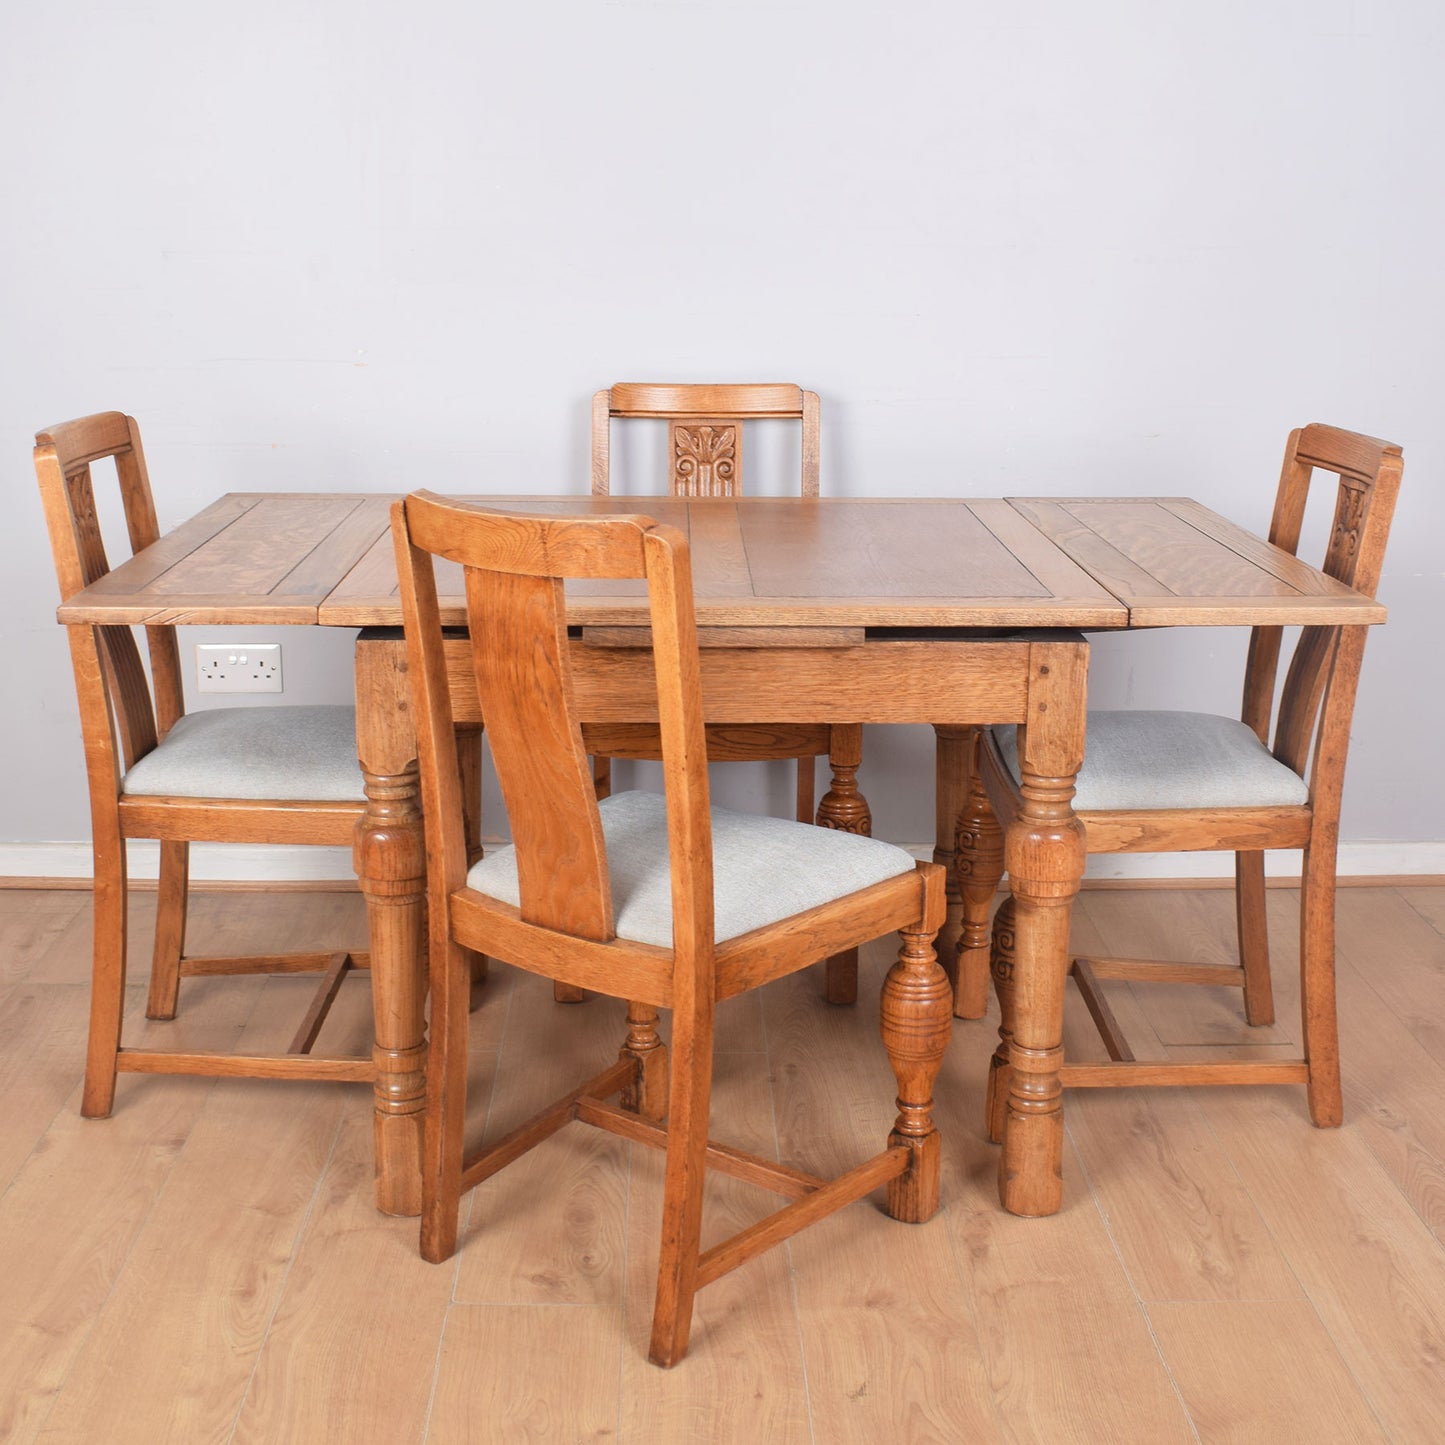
(705, 459)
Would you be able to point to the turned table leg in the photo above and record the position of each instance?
(1044, 852)
(390, 861)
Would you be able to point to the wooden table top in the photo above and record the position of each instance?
(1098, 563)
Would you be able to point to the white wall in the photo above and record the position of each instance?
(1051, 248)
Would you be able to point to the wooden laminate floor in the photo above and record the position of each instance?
(207, 1265)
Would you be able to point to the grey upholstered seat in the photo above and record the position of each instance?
(764, 869)
(1153, 760)
(286, 753)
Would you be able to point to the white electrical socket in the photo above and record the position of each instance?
(238, 667)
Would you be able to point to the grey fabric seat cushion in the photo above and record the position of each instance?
(1152, 760)
(292, 754)
(764, 869)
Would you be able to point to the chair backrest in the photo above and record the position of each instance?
(115, 700)
(515, 566)
(1317, 700)
(704, 431)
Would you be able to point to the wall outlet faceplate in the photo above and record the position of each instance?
(238, 667)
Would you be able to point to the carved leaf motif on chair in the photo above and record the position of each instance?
(704, 460)
(86, 521)
(1349, 521)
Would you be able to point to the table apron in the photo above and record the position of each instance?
(877, 682)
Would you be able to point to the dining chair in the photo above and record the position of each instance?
(1160, 782)
(705, 434)
(657, 899)
(232, 775)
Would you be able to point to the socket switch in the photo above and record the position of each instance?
(238, 667)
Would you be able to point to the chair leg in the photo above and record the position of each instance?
(845, 809)
(1002, 967)
(1253, 937)
(469, 760)
(446, 1107)
(647, 1094)
(916, 1019)
(978, 854)
(170, 945)
(688, 1097)
(807, 788)
(107, 984)
(1317, 986)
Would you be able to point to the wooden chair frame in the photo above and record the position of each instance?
(1311, 736)
(122, 719)
(564, 928)
(705, 459)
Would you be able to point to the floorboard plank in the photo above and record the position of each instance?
(351, 1352)
(889, 1341)
(73, 1212)
(533, 1373)
(1374, 1273)
(140, 1255)
(184, 1322)
(1262, 1372)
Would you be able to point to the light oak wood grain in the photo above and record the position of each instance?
(1184, 1226)
(744, 1326)
(847, 1329)
(883, 1314)
(549, 1229)
(1403, 970)
(71, 1215)
(28, 934)
(42, 1034)
(328, 1367)
(1179, 548)
(921, 682)
(186, 1317)
(563, 927)
(127, 710)
(1361, 1254)
(1044, 1300)
(545, 1378)
(1392, 1078)
(1197, 926)
(1258, 1372)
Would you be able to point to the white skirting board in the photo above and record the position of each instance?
(258, 863)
